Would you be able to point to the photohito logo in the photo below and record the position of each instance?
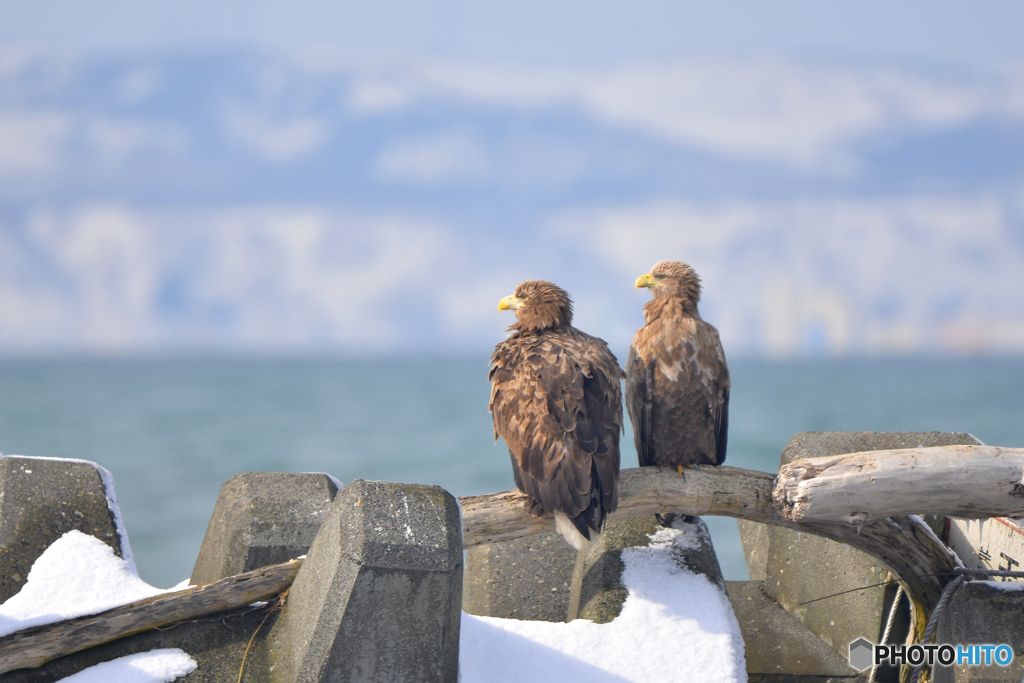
(864, 653)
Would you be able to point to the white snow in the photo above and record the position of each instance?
(155, 666)
(75, 576)
(674, 626)
(108, 486)
(1005, 585)
(916, 519)
(79, 575)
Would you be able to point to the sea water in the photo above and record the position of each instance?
(173, 430)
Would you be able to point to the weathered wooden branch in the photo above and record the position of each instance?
(35, 646)
(906, 546)
(958, 481)
(728, 491)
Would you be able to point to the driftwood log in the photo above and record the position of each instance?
(35, 646)
(906, 545)
(958, 481)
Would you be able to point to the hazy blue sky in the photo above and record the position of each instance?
(847, 178)
(594, 33)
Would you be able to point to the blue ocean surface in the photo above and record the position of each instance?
(173, 430)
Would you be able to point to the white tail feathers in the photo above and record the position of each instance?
(570, 533)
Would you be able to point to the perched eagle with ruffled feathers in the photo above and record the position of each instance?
(677, 380)
(556, 401)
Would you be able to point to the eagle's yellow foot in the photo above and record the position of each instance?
(681, 469)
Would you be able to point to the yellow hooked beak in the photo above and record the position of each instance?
(510, 303)
(645, 280)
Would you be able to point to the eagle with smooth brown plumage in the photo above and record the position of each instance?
(677, 380)
(556, 401)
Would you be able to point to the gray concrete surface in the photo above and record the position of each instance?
(380, 594)
(525, 578)
(779, 648)
(754, 537)
(262, 518)
(41, 499)
(802, 567)
(597, 591)
(982, 612)
(217, 644)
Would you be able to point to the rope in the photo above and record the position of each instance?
(934, 618)
(888, 627)
(962, 574)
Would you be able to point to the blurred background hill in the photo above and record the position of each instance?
(339, 179)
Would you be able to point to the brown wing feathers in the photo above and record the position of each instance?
(556, 401)
(638, 402)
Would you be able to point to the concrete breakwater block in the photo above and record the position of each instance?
(983, 613)
(262, 518)
(778, 647)
(755, 540)
(380, 594)
(597, 590)
(41, 499)
(526, 578)
(378, 597)
(800, 567)
(217, 644)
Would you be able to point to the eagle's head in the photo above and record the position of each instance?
(672, 279)
(538, 305)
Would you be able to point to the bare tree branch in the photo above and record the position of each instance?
(958, 481)
(35, 646)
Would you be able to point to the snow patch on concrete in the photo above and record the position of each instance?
(674, 626)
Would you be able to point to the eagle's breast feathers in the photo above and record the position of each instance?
(677, 386)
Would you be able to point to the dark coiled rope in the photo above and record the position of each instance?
(947, 594)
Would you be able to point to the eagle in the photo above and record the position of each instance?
(677, 380)
(557, 403)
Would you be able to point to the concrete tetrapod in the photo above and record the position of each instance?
(597, 590)
(803, 567)
(262, 518)
(380, 594)
(526, 578)
(41, 499)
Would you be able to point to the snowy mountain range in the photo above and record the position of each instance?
(306, 202)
